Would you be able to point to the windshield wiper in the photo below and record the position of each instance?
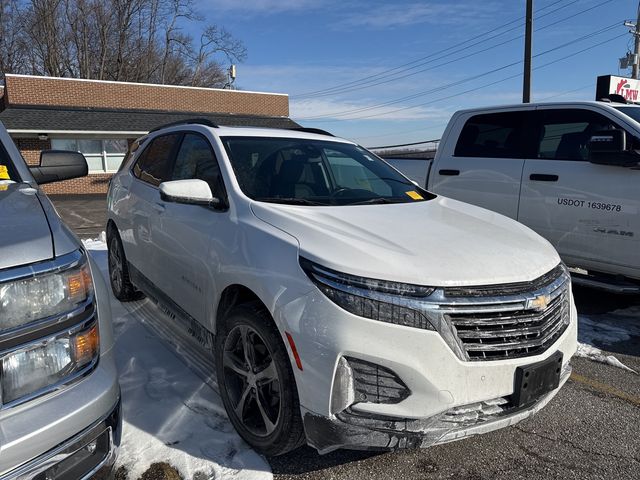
(378, 200)
(290, 201)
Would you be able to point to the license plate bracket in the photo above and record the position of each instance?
(535, 380)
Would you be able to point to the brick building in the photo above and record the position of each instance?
(101, 118)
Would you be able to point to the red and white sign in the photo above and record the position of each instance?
(628, 88)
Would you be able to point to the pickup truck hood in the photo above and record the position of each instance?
(25, 236)
(440, 242)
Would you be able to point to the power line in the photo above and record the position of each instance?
(405, 144)
(480, 87)
(459, 82)
(584, 87)
(385, 73)
(389, 75)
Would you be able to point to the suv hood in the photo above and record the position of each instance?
(440, 242)
(25, 236)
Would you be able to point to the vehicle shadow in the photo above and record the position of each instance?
(608, 321)
(306, 459)
(171, 412)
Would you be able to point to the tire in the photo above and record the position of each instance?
(119, 279)
(269, 417)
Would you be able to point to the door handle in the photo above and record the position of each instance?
(543, 177)
(158, 207)
(449, 173)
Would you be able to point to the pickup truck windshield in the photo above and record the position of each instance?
(312, 172)
(633, 112)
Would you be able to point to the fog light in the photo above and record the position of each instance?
(91, 447)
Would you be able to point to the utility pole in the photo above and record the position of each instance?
(526, 85)
(636, 50)
(633, 60)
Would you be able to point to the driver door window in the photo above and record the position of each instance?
(196, 160)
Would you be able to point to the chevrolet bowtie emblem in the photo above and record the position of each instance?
(541, 302)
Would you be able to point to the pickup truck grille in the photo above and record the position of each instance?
(512, 328)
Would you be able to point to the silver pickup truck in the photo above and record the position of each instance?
(59, 392)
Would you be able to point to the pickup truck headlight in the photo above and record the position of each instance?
(61, 295)
(370, 298)
(27, 300)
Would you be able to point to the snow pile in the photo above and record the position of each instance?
(169, 414)
(607, 329)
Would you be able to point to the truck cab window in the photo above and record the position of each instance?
(565, 134)
(494, 135)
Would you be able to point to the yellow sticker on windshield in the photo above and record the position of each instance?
(4, 187)
(415, 195)
(4, 173)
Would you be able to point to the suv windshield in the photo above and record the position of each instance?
(314, 172)
(7, 171)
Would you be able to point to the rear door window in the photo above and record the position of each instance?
(155, 162)
(492, 135)
(565, 134)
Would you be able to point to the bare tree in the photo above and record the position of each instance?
(126, 40)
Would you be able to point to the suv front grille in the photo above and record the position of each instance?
(503, 327)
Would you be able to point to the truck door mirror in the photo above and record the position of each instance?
(57, 165)
(609, 147)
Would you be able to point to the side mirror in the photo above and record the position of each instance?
(57, 165)
(609, 147)
(192, 192)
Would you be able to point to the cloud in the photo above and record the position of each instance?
(393, 15)
(260, 6)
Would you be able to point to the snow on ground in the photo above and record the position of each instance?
(607, 329)
(169, 414)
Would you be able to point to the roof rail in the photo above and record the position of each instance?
(311, 130)
(189, 121)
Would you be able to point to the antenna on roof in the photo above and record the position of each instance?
(231, 77)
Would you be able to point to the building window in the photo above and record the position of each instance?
(103, 156)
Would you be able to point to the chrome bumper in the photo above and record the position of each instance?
(91, 452)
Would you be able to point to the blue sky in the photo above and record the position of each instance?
(323, 52)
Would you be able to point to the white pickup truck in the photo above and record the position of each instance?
(570, 171)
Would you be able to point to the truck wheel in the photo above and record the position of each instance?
(119, 279)
(256, 382)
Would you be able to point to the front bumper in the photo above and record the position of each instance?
(90, 453)
(358, 431)
(437, 380)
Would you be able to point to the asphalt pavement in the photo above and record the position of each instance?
(590, 430)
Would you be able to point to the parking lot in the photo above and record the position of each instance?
(590, 430)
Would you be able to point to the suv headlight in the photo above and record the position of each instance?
(370, 298)
(48, 328)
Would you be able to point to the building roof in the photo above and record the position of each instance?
(31, 119)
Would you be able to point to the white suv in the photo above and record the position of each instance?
(345, 306)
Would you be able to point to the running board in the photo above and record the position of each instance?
(607, 284)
